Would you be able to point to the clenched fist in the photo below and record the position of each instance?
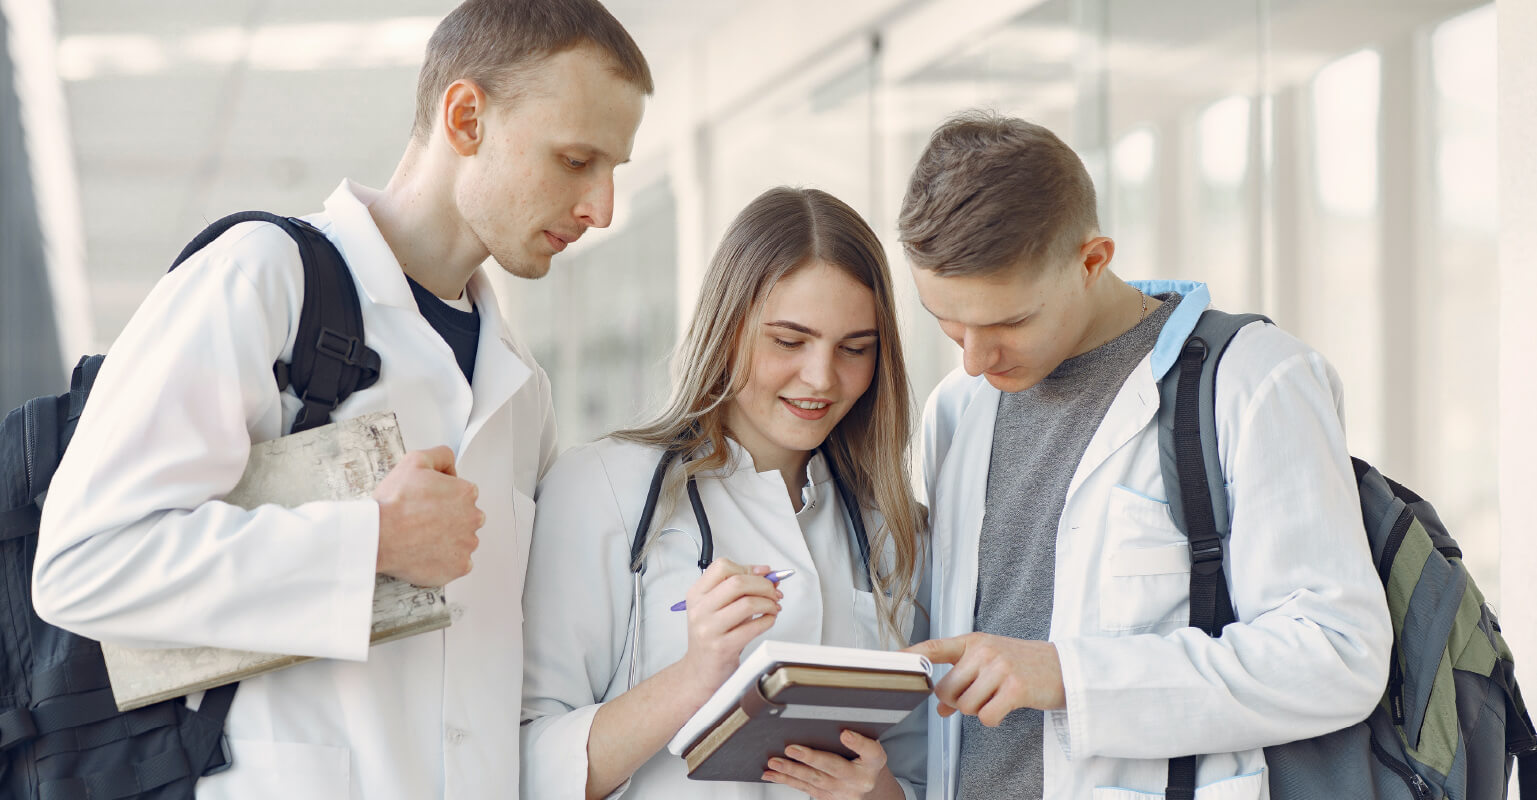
(427, 519)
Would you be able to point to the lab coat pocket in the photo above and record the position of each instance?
(1243, 787)
(1145, 576)
(265, 769)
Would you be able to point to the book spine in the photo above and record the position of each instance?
(754, 704)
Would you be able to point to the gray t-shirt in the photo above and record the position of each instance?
(1038, 439)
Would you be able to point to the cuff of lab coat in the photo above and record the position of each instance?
(555, 755)
(1070, 722)
(356, 554)
(1060, 724)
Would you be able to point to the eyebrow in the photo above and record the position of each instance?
(1009, 321)
(799, 328)
(597, 152)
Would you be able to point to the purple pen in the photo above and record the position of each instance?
(773, 577)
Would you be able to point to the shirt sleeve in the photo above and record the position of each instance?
(136, 546)
(1308, 654)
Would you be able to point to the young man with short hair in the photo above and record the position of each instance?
(525, 108)
(1060, 578)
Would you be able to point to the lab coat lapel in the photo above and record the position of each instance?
(370, 258)
(1137, 402)
(963, 489)
(499, 373)
(1131, 411)
(961, 499)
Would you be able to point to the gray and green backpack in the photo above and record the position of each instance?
(1451, 722)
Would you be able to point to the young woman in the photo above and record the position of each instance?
(789, 386)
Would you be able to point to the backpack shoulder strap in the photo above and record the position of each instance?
(330, 360)
(1189, 427)
(1192, 479)
(32, 440)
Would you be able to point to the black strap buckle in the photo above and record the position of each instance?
(1195, 348)
(1205, 556)
(316, 403)
(338, 346)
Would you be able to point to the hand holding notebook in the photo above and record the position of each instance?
(786, 693)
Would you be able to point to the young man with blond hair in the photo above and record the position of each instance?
(1061, 582)
(525, 108)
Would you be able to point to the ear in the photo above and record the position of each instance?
(465, 106)
(1096, 254)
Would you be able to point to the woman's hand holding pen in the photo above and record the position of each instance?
(729, 606)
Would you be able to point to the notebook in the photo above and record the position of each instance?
(788, 693)
(340, 461)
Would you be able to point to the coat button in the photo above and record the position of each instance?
(454, 736)
(455, 611)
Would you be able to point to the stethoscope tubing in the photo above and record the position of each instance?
(707, 538)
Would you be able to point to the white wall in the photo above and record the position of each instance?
(1518, 334)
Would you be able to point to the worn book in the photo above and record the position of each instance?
(788, 693)
(341, 461)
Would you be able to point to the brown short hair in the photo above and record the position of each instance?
(990, 191)
(492, 41)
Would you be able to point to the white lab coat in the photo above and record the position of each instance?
(1309, 653)
(136, 547)
(578, 600)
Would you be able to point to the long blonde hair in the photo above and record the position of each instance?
(780, 231)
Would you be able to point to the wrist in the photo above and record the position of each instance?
(887, 787)
(380, 561)
(690, 684)
(1056, 684)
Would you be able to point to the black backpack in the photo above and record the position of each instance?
(1451, 721)
(61, 735)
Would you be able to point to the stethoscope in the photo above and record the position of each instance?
(707, 540)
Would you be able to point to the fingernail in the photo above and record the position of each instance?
(795, 750)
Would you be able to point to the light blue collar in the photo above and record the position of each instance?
(1181, 322)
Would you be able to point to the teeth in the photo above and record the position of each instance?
(806, 404)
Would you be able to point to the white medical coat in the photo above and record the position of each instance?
(1309, 651)
(578, 600)
(136, 547)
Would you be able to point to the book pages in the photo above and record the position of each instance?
(341, 461)
(770, 654)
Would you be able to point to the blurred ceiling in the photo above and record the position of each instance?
(184, 110)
